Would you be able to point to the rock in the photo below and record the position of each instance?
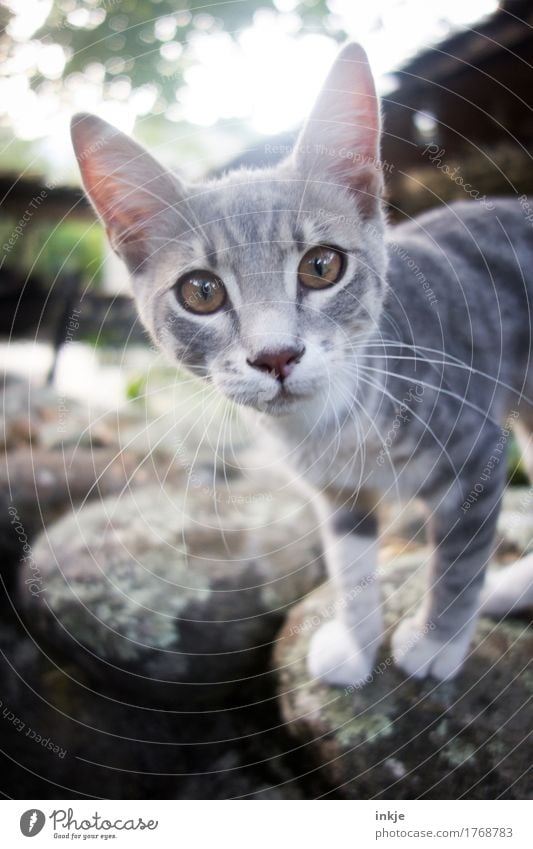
(43, 484)
(39, 416)
(397, 739)
(38, 486)
(59, 736)
(174, 587)
(25, 409)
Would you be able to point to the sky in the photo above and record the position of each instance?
(266, 78)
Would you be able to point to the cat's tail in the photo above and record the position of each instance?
(508, 590)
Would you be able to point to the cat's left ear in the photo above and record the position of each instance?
(339, 143)
(133, 194)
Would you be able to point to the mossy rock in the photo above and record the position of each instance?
(178, 591)
(398, 739)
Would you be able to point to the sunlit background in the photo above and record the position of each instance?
(200, 84)
(241, 69)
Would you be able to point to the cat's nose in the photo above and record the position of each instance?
(278, 363)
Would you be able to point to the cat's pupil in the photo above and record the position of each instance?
(318, 266)
(205, 290)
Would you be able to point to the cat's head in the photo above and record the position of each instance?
(265, 281)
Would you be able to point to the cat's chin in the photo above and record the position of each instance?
(282, 406)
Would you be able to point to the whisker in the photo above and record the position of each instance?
(416, 416)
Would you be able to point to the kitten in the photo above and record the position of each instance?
(384, 361)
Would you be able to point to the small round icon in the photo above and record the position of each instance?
(32, 822)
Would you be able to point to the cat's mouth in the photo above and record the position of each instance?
(275, 399)
(284, 401)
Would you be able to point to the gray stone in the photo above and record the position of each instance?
(171, 586)
(399, 739)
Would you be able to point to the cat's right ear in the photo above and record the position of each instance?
(132, 193)
(339, 142)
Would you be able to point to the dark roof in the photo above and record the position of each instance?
(504, 30)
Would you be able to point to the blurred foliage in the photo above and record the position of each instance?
(46, 250)
(515, 472)
(136, 387)
(128, 44)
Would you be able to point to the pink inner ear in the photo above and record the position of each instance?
(357, 93)
(349, 96)
(123, 209)
(115, 201)
(341, 137)
(127, 187)
(360, 170)
(352, 83)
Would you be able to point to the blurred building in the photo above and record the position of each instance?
(458, 123)
(466, 105)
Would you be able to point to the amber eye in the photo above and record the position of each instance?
(201, 292)
(320, 268)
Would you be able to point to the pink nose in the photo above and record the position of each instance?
(280, 364)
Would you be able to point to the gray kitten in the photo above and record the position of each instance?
(385, 362)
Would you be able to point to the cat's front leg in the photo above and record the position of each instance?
(343, 650)
(435, 641)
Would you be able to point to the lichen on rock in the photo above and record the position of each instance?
(400, 739)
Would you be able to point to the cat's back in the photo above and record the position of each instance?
(482, 234)
(476, 260)
(512, 210)
(470, 251)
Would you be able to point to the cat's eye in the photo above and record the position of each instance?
(321, 267)
(201, 292)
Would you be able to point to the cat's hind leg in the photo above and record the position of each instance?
(510, 589)
(435, 641)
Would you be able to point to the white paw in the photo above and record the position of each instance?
(509, 589)
(335, 656)
(419, 652)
